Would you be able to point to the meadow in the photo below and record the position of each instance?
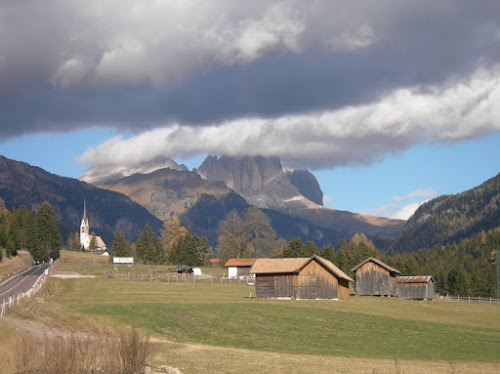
(217, 328)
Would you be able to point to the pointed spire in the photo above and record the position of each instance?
(85, 208)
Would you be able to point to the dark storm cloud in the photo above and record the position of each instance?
(144, 65)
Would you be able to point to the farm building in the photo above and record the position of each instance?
(300, 278)
(238, 267)
(420, 287)
(374, 278)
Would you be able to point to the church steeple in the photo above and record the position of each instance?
(84, 228)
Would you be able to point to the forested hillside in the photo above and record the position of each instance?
(466, 268)
(450, 218)
(23, 184)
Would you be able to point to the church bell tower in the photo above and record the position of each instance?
(84, 228)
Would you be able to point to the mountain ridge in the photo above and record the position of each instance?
(24, 184)
(449, 218)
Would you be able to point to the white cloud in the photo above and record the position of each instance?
(406, 211)
(351, 135)
(327, 201)
(420, 193)
(402, 207)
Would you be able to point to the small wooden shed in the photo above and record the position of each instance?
(375, 278)
(300, 278)
(238, 267)
(419, 287)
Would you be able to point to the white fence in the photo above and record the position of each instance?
(469, 299)
(163, 276)
(16, 299)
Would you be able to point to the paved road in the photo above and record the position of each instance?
(21, 282)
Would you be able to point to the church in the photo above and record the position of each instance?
(88, 242)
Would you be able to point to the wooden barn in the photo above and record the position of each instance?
(374, 278)
(238, 267)
(420, 287)
(300, 278)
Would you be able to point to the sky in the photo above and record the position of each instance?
(388, 103)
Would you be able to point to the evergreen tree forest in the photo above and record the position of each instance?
(465, 268)
(177, 245)
(37, 232)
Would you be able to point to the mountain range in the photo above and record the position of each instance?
(291, 198)
(127, 197)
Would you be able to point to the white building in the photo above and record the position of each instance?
(85, 229)
(86, 239)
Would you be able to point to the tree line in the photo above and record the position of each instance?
(37, 232)
(462, 268)
(176, 245)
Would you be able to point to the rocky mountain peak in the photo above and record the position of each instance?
(262, 181)
(242, 174)
(306, 183)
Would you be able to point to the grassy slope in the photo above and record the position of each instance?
(222, 315)
(215, 328)
(14, 265)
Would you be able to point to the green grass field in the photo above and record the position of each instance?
(216, 328)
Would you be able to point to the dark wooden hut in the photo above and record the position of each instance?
(419, 287)
(374, 278)
(300, 278)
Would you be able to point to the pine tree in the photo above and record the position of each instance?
(459, 282)
(148, 247)
(12, 239)
(120, 247)
(48, 238)
(327, 252)
(73, 243)
(294, 249)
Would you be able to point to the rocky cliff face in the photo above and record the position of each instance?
(306, 183)
(245, 175)
(260, 180)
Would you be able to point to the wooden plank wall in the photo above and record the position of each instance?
(274, 285)
(373, 280)
(416, 291)
(315, 282)
(283, 285)
(264, 286)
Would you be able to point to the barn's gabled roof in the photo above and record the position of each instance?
(378, 262)
(240, 262)
(415, 279)
(293, 266)
(278, 265)
(333, 268)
